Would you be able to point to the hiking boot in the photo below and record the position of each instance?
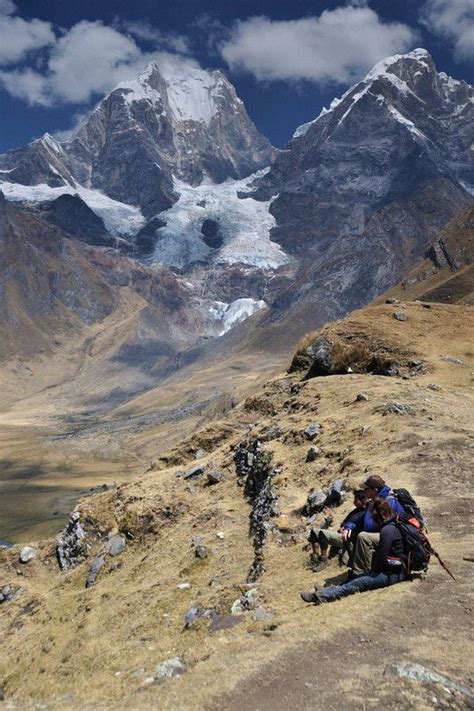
(309, 596)
(322, 563)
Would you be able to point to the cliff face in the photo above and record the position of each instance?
(362, 189)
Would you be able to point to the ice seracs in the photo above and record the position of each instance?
(235, 312)
(243, 224)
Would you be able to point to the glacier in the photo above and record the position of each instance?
(244, 224)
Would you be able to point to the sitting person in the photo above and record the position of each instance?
(343, 539)
(369, 534)
(388, 562)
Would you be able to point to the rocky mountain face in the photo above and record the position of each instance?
(145, 131)
(362, 189)
(170, 172)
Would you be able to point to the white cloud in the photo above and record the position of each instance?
(18, 37)
(454, 21)
(337, 46)
(150, 33)
(87, 60)
(7, 7)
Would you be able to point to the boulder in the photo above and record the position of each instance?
(424, 675)
(312, 454)
(214, 478)
(194, 472)
(400, 316)
(320, 352)
(196, 613)
(27, 553)
(169, 668)
(94, 570)
(312, 430)
(116, 545)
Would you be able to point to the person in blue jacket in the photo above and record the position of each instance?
(388, 564)
(369, 534)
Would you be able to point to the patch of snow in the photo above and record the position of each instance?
(354, 99)
(235, 312)
(52, 144)
(467, 187)
(118, 217)
(406, 122)
(244, 224)
(139, 90)
(193, 97)
(381, 68)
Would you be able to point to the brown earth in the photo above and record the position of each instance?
(97, 648)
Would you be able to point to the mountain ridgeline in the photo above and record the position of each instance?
(168, 175)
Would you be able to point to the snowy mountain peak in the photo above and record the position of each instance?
(408, 77)
(400, 64)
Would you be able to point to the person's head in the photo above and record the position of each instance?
(372, 485)
(382, 511)
(360, 499)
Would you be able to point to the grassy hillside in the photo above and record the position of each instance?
(99, 647)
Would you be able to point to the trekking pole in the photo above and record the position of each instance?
(443, 565)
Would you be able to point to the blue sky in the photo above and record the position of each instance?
(286, 59)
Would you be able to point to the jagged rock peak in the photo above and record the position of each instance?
(412, 75)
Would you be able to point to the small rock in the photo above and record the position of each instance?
(312, 430)
(27, 554)
(426, 306)
(138, 673)
(214, 477)
(169, 668)
(220, 535)
(237, 607)
(362, 397)
(94, 571)
(417, 672)
(196, 613)
(452, 359)
(392, 301)
(312, 453)
(400, 316)
(315, 502)
(116, 545)
(183, 586)
(199, 453)
(397, 408)
(8, 593)
(194, 472)
(433, 386)
(261, 614)
(201, 551)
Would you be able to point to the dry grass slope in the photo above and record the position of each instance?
(97, 648)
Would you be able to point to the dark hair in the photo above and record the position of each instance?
(381, 510)
(360, 495)
(374, 482)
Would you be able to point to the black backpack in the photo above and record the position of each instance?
(416, 547)
(409, 504)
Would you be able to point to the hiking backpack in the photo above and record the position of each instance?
(409, 505)
(416, 547)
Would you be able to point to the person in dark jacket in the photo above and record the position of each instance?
(388, 565)
(342, 540)
(368, 536)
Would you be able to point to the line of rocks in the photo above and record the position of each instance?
(255, 472)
